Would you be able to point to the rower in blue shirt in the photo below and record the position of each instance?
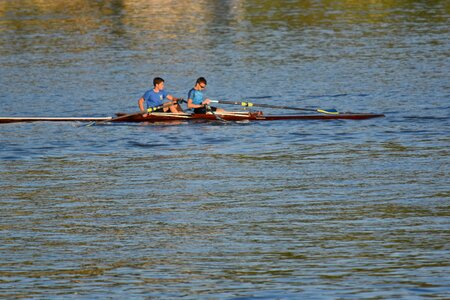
(155, 97)
(196, 99)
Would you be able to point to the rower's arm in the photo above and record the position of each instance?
(172, 98)
(192, 105)
(141, 104)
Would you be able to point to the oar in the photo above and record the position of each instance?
(249, 104)
(208, 108)
(149, 110)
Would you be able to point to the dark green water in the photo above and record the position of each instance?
(278, 210)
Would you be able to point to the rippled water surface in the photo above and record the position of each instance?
(275, 210)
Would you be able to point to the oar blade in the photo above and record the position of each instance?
(328, 111)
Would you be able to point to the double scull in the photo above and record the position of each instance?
(157, 117)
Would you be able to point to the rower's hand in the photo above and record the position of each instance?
(206, 101)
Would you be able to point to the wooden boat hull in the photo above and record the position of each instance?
(169, 117)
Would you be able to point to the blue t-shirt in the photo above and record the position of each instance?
(153, 99)
(196, 96)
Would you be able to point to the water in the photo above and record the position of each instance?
(285, 210)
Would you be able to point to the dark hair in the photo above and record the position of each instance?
(201, 80)
(157, 80)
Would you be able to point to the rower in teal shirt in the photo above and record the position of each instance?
(196, 99)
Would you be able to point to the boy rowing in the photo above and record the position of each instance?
(155, 97)
(196, 99)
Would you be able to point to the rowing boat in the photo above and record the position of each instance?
(243, 116)
(170, 117)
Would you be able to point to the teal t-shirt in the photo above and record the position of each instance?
(196, 96)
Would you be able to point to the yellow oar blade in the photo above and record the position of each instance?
(329, 111)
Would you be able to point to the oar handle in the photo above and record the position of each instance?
(151, 109)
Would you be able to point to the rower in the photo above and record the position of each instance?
(196, 99)
(154, 98)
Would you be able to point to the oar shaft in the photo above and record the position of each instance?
(149, 110)
(249, 104)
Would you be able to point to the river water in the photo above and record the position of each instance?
(276, 210)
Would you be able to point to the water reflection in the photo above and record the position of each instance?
(82, 25)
